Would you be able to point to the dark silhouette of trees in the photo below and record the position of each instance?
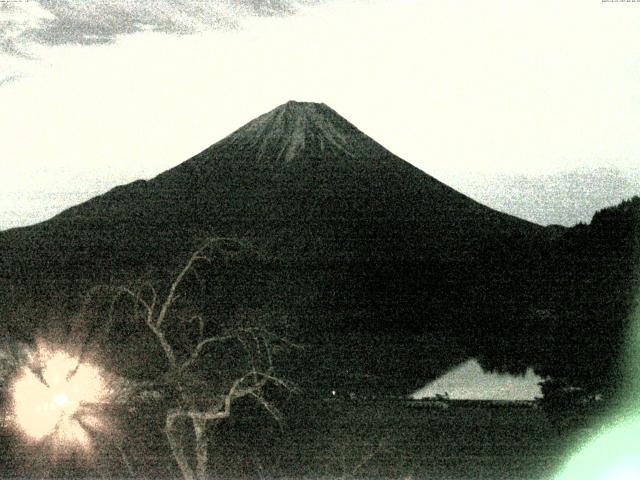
(573, 305)
(207, 371)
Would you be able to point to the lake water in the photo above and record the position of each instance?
(468, 381)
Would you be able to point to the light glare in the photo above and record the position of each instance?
(613, 455)
(50, 404)
(61, 399)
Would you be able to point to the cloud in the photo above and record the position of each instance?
(10, 78)
(17, 18)
(61, 22)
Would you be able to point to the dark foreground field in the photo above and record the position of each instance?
(320, 439)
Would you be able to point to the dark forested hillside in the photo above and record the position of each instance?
(576, 322)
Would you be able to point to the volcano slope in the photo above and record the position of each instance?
(384, 272)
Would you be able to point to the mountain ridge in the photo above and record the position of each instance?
(310, 141)
(370, 255)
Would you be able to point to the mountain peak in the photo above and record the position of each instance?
(294, 129)
(294, 104)
(302, 110)
(294, 108)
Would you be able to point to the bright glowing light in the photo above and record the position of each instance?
(50, 404)
(613, 455)
(61, 399)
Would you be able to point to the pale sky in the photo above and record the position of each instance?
(506, 101)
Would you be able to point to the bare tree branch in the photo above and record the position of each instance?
(257, 341)
(138, 298)
(171, 296)
(269, 407)
(149, 320)
(197, 350)
(176, 445)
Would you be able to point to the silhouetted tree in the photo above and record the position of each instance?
(245, 351)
